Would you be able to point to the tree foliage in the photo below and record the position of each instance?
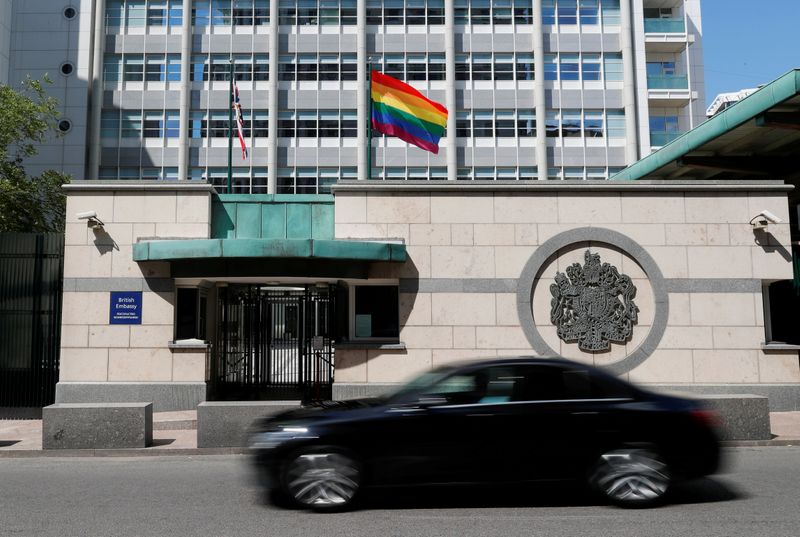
(28, 117)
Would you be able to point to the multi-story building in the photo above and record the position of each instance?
(536, 89)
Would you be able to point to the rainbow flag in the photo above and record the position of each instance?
(400, 110)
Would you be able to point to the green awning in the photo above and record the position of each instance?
(331, 249)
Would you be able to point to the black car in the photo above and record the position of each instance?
(503, 421)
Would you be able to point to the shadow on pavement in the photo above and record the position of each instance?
(705, 490)
(6, 443)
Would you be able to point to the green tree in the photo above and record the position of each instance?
(27, 118)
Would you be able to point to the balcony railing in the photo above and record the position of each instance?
(667, 82)
(664, 26)
(658, 139)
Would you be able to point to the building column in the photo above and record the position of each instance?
(450, 95)
(361, 92)
(538, 92)
(629, 87)
(186, 64)
(96, 84)
(272, 121)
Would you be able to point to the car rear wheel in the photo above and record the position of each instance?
(631, 477)
(322, 479)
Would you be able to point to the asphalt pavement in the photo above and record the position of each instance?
(215, 495)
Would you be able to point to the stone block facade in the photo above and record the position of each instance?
(469, 249)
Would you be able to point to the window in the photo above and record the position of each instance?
(567, 12)
(550, 67)
(781, 303)
(663, 129)
(615, 123)
(588, 12)
(570, 67)
(109, 124)
(127, 14)
(590, 66)
(376, 311)
(570, 123)
(552, 124)
(548, 11)
(133, 70)
(504, 124)
(610, 12)
(190, 313)
(317, 124)
(612, 64)
(526, 123)
(482, 124)
(112, 68)
(504, 67)
(312, 13)
(525, 66)
(131, 124)
(593, 123)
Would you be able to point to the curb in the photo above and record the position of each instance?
(155, 452)
(133, 452)
(761, 443)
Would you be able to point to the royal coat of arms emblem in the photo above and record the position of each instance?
(593, 304)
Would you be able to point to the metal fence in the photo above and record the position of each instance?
(31, 269)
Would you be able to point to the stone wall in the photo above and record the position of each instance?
(98, 261)
(469, 245)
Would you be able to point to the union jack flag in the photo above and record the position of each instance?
(237, 108)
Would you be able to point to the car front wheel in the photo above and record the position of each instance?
(631, 477)
(322, 479)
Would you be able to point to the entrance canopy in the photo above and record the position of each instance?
(277, 227)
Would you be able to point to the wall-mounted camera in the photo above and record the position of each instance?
(763, 219)
(91, 219)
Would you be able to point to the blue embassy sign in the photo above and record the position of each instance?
(126, 307)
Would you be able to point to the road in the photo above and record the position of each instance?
(213, 495)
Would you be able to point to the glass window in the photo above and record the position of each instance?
(173, 67)
(218, 124)
(570, 123)
(134, 68)
(155, 68)
(524, 66)
(501, 11)
(328, 67)
(462, 67)
(261, 67)
(569, 67)
(526, 123)
(416, 66)
(109, 124)
(435, 11)
(286, 126)
(612, 64)
(548, 11)
(523, 11)
(504, 67)
(573, 173)
(307, 67)
(131, 124)
(153, 124)
(588, 11)
(481, 66)
(527, 174)
(615, 123)
(436, 66)
(480, 12)
(157, 13)
(393, 12)
(115, 13)
(461, 8)
(394, 66)
(286, 68)
(567, 12)
(504, 124)
(307, 123)
(349, 67)
(190, 314)
(463, 125)
(329, 124)
(550, 67)
(593, 123)
(135, 13)
(590, 66)
(112, 67)
(415, 12)
(551, 124)
(482, 124)
(349, 124)
(172, 124)
(243, 67)
(610, 12)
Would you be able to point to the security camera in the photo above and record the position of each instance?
(763, 219)
(771, 217)
(91, 219)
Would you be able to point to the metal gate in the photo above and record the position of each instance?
(275, 342)
(31, 265)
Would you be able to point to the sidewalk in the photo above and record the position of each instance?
(175, 433)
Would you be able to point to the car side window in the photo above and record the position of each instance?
(552, 383)
(484, 386)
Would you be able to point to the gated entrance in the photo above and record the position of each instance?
(31, 266)
(275, 342)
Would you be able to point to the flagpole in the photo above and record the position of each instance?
(230, 127)
(369, 119)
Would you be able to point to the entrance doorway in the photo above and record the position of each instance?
(274, 342)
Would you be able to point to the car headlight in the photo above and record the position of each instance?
(272, 439)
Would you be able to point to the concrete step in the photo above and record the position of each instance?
(181, 420)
